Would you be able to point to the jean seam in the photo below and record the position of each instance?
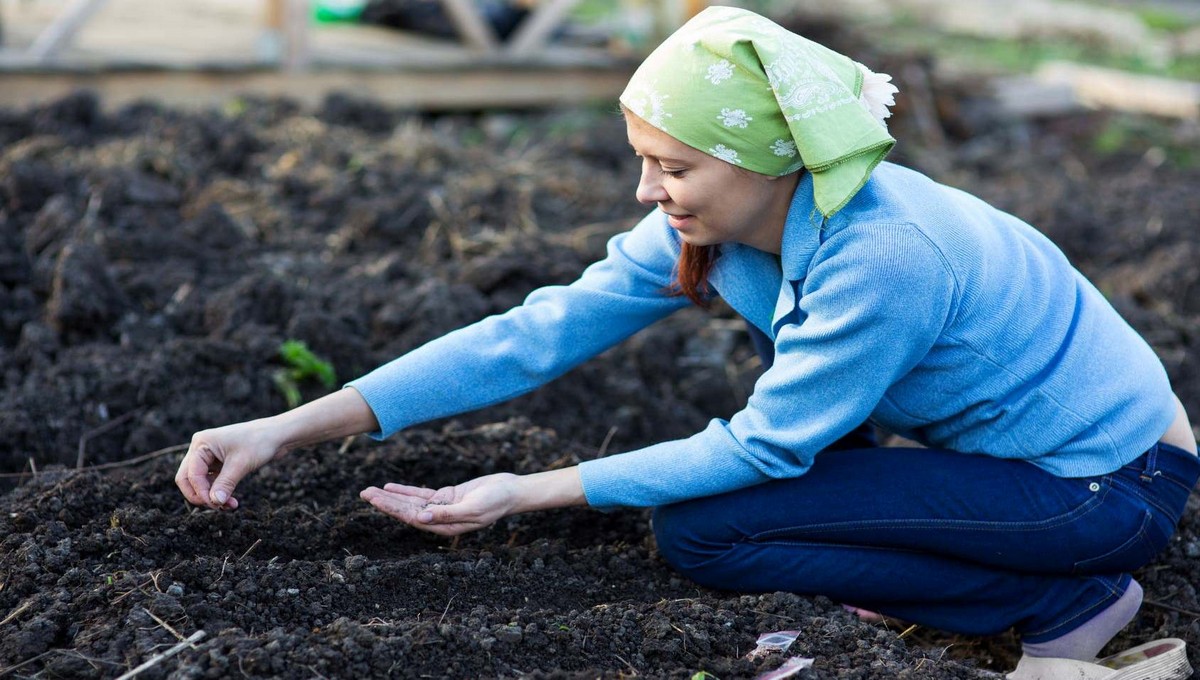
(961, 525)
(1112, 591)
(1140, 537)
(748, 541)
(1136, 491)
(1176, 482)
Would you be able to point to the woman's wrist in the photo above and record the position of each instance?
(339, 414)
(551, 489)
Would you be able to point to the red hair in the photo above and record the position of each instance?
(691, 273)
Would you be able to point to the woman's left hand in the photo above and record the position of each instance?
(450, 510)
(479, 503)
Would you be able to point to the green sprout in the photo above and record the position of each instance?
(1163, 20)
(703, 675)
(235, 107)
(302, 365)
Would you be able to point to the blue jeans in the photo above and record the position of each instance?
(965, 543)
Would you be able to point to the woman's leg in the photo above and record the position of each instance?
(965, 543)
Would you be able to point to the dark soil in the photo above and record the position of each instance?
(153, 261)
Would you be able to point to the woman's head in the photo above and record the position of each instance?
(740, 88)
(727, 111)
(708, 201)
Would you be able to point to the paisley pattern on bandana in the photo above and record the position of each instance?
(805, 86)
(650, 106)
(743, 89)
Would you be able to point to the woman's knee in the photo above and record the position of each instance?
(687, 539)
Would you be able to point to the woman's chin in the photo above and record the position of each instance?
(697, 240)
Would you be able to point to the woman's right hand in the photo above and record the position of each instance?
(219, 458)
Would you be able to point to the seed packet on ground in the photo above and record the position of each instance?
(789, 668)
(778, 641)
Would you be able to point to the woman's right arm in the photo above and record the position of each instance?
(490, 361)
(219, 458)
(556, 329)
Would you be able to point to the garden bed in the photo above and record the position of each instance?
(152, 262)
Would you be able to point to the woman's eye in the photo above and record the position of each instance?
(673, 173)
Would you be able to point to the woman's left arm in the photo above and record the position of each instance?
(874, 302)
(479, 503)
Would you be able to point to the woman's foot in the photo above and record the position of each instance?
(1086, 641)
(1164, 659)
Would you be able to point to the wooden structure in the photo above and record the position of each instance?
(290, 57)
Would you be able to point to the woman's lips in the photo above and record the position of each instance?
(678, 221)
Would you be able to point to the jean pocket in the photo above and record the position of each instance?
(1132, 554)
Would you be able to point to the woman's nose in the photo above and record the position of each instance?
(650, 189)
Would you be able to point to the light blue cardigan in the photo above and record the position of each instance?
(918, 306)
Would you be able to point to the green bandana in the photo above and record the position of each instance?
(743, 89)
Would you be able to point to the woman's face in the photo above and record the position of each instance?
(707, 200)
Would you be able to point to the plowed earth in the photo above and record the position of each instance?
(152, 261)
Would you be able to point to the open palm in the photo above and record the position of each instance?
(450, 510)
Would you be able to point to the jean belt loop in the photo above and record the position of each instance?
(1151, 469)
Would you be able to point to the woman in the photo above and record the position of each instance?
(1058, 458)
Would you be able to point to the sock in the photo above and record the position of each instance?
(1086, 641)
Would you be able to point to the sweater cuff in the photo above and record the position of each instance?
(707, 463)
(366, 389)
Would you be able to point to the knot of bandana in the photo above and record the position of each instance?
(743, 89)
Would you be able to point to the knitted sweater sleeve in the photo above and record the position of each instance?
(874, 301)
(555, 329)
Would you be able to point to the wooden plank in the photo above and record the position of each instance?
(536, 28)
(1028, 97)
(474, 31)
(297, 15)
(64, 28)
(269, 43)
(324, 54)
(440, 90)
(273, 14)
(1124, 91)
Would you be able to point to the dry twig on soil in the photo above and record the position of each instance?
(105, 466)
(250, 549)
(18, 611)
(165, 625)
(159, 658)
(1168, 607)
(90, 434)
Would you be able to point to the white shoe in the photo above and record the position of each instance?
(1164, 659)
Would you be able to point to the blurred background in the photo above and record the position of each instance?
(486, 53)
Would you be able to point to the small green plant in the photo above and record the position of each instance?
(302, 365)
(234, 107)
(1163, 20)
(703, 675)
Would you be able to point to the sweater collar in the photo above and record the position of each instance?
(801, 231)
